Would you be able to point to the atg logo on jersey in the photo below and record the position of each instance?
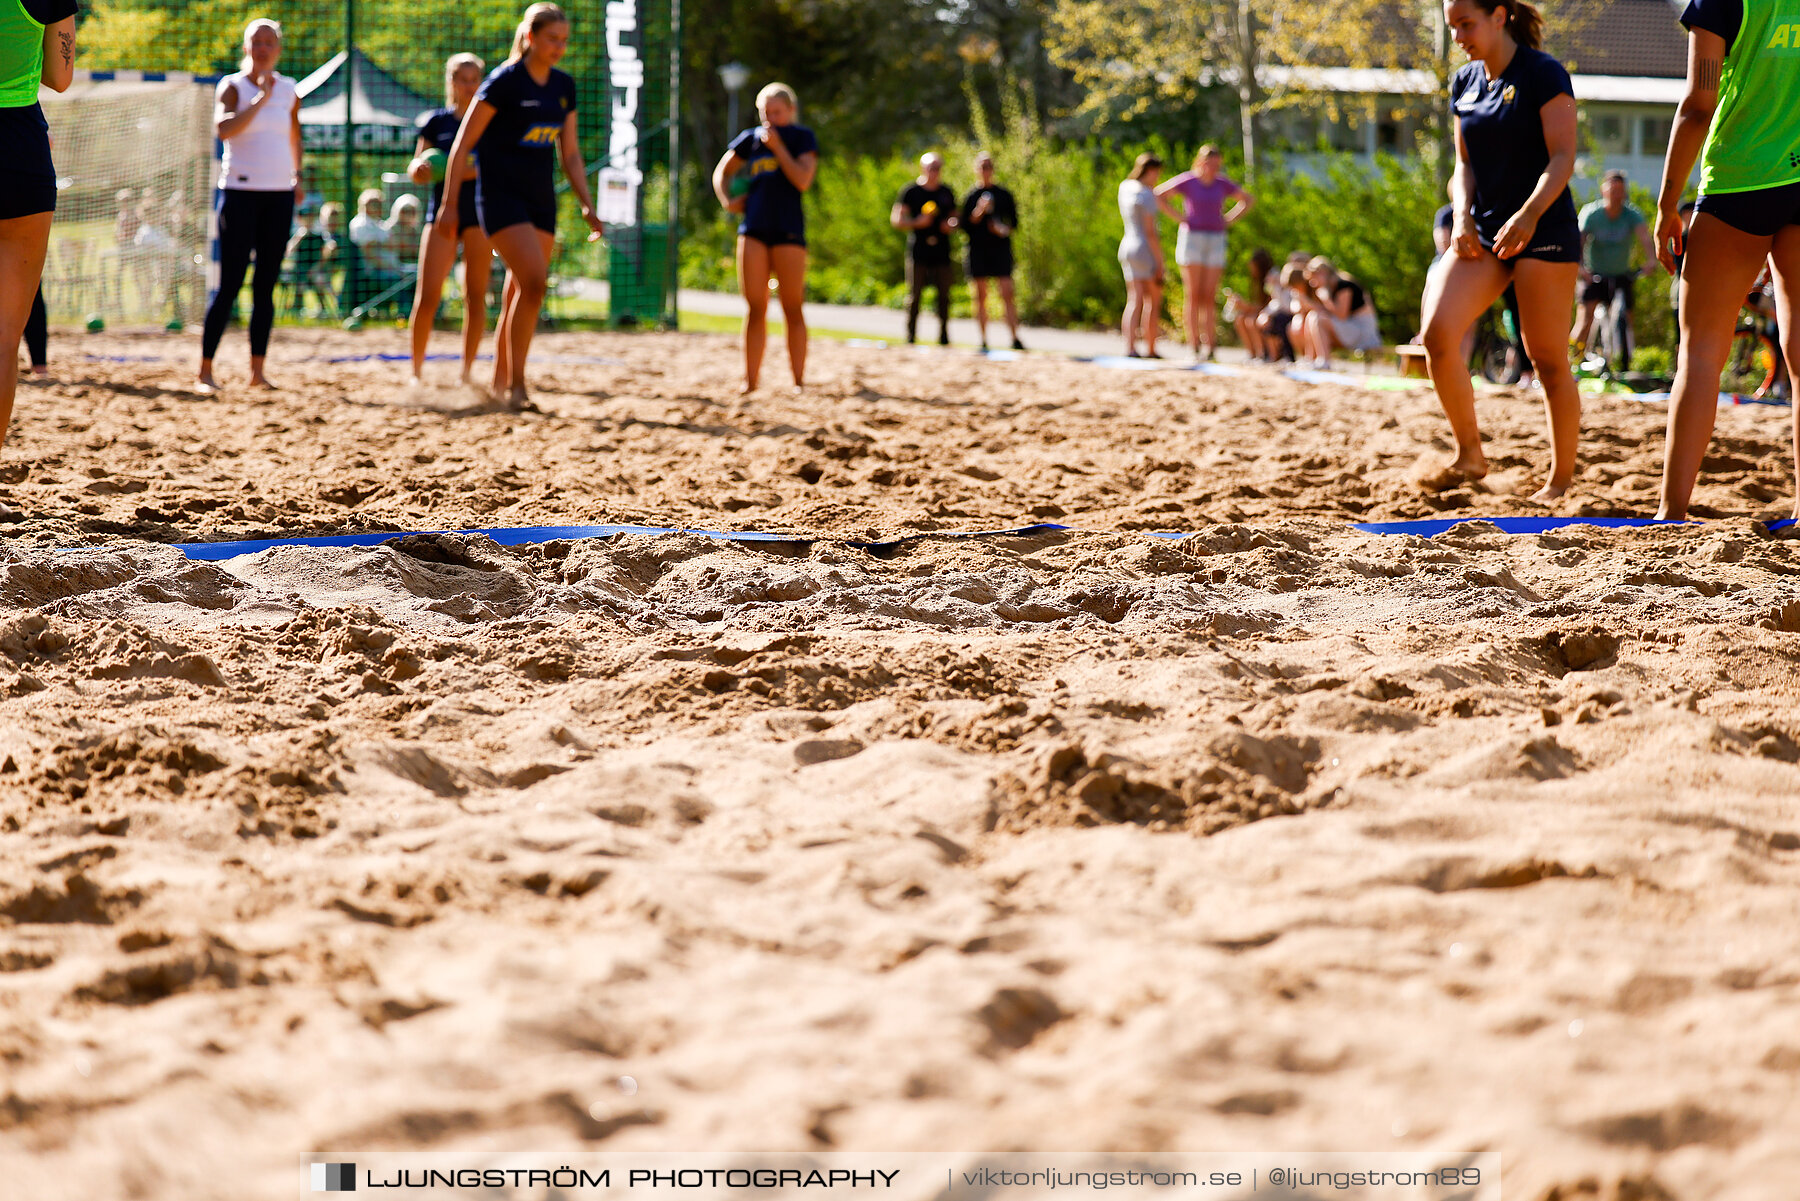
(334, 1178)
(1785, 36)
(1508, 93)
(540, 135)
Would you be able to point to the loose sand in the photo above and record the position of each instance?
(1277, 836)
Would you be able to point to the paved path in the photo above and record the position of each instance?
(889, 325)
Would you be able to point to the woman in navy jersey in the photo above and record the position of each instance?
(1514, 223)
(37, 47)
(524, 113)
(763, 175)
(258, 119)
(437, 253)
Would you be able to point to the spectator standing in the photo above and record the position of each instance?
(989, 217)
(1200, 245)
(1609, 226)
(1738, 114)
(927, 211)
(1141, 255)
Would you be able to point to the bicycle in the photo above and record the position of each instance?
(1754, 368)
(1498, 353)
(1609, 345)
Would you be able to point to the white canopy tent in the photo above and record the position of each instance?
(383, 111)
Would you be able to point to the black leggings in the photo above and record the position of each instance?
(37, 330)
(249, 223)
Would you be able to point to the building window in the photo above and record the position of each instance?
(1655, 131)
(1609, 134)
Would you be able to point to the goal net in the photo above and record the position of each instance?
(135, 174)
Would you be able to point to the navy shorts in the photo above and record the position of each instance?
(1549, 243)
(467, 215)
(1761, 214)
(28, 179)
(773, 237)
(503, 208)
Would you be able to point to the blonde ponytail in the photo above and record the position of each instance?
(535, 18)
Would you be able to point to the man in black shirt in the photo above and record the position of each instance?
(990, 216)
(927, 209)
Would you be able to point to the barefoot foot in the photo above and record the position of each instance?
(1548, 493)
(1460, 471)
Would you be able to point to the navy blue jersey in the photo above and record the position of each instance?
(438, 129)
(772, 206)
(1723, 17)
(1503, 132)
(518, 150)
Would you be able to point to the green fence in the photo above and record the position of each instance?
(137, 158)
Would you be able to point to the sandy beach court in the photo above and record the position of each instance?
(1274, 835)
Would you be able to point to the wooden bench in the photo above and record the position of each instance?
(1412, 361)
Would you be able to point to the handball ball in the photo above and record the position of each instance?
(440, 162)
(95, 323)
(739, 186)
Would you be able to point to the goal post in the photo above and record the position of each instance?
(134, 162)
(139, 119)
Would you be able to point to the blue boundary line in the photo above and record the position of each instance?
(531, 535)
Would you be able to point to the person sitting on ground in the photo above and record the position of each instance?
(306, 255)
(1278, 315)
(1337, 313)
(1246, 312)
(371, 235)
(403, 230)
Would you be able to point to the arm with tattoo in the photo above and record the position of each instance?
(59, 55)
(1706, 58)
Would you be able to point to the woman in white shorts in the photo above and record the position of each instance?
(1141, 255)
(1338, 313)
(1200, 246)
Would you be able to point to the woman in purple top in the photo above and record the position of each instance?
(1200, 246)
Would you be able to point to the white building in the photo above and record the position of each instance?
(1627, 60)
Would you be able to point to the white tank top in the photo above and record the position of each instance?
(261, 157)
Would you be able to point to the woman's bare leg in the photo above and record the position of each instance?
(509, 301)
(1710, 301)
(1150, 313)
(1009, 299)
(1206, 296)
(1128, 323)
(789, 265)
(23, 243)
(1546, 294)
(1466, 289)
(478, 265)
(437, 256)
(1785, 258)
(753, 281)
(1192, 284)
(978, 286)
(526, 251)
